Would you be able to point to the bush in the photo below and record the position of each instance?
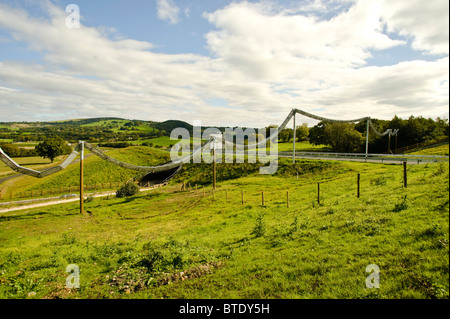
(115, 144)
(126, 190)
(260, 226)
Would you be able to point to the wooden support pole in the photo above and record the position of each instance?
(262, 198)
(293, 146)
(214, 167)
(81, 179)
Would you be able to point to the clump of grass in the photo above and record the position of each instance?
(379, 181)
(402, 205)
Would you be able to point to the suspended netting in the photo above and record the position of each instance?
(274, 135)
(389, 131)
(177, 163)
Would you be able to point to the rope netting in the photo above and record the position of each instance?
(173, 164)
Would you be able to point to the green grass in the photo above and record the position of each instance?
(137, 247)
(435, 150)
(304, 146)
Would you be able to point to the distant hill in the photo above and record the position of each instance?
(84, 121)
(169, 125)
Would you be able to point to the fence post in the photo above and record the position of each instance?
(405, 183)
(242, 197)
(262, 198)
(318, 193)
(226, 195)
(287, 198)
(358, 185)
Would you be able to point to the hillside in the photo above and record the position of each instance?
(178, 244)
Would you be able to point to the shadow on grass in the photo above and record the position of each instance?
(24, 216)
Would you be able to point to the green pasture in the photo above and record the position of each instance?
(173, 243)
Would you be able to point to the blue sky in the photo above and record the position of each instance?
(222, 62)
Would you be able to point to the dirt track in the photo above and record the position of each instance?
(63, 201)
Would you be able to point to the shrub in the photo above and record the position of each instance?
(260, 226)
(126, 190)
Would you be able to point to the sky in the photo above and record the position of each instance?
(224, 63)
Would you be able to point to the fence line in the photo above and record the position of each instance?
(62, 190)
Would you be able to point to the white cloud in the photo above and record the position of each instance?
(274, 45)
(427, 22)
(168, 11)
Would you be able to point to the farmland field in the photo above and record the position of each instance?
(169, 243)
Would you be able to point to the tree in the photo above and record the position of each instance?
(302, 132)
(285, 135)
(52, 147)
(317, 135)
(11, 150)
(344, 138)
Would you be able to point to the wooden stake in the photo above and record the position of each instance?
(405, 177)
(287, 198)
(318, 193)
(358, 181)
(262, 198)
(242, 197)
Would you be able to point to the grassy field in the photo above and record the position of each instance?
(180, 244)
(437, 150)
